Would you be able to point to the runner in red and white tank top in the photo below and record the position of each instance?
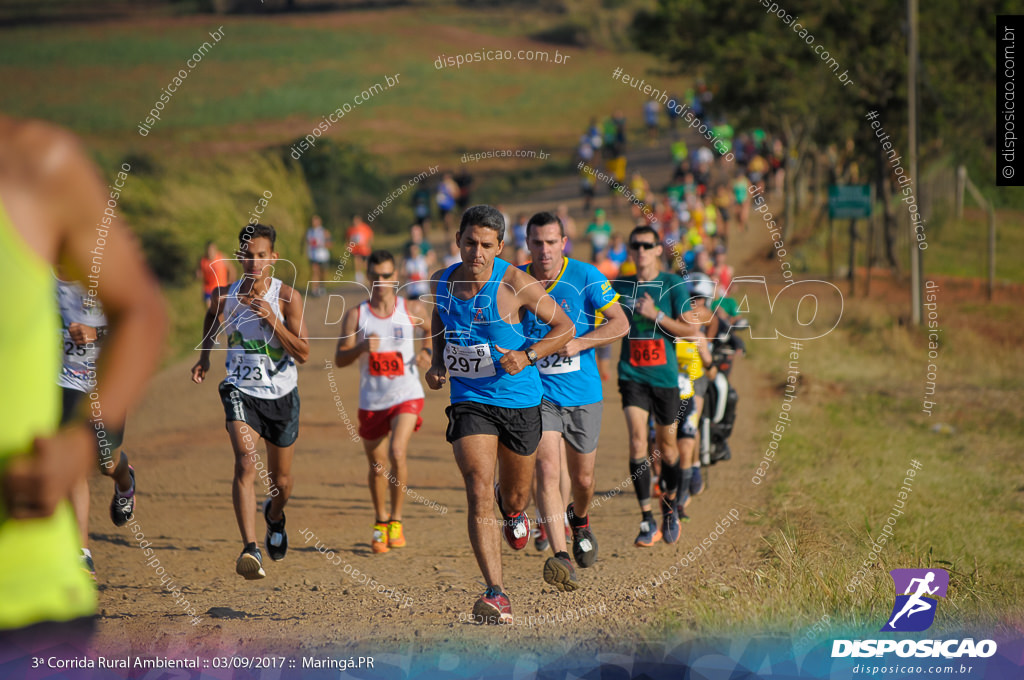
(380, 334)
(387, 376)
(721, 272)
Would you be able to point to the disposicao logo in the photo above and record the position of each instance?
(914, 611)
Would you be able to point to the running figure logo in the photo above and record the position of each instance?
(916, 590)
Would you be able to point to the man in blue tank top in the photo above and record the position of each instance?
(571, 408)
(494, 416)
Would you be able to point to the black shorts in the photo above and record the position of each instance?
(107, 441)
(700, 386)
(661, 402)
(688, 419)
(276, 420)
(518, 429)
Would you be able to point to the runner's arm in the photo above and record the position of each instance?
(530, 294)
(75, 199)
(292, 334)
(82, 334)
(673, 327)
(437, 340)
(211, 328)
(435, 376)
(703, 348)
(422, 320)
(349, 349)
(615, 326)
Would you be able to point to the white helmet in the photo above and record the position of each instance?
(701, 286)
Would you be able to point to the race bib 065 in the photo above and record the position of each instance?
(650, 352)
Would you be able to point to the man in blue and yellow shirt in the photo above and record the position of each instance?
(571, 408)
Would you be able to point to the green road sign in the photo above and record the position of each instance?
(847, 201)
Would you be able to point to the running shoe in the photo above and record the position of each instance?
(696, 482)
(379, 544)
(250, 563)
(277, 537)
(649, 534)
(396, 537)
(669, 522)
(493, 607)
(515, 528)
(540, 537)
(584, 544)
(559, 572)
(122, 505)
(87, 564)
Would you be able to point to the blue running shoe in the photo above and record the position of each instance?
(696, 482)
(670, 522)
(649, 534)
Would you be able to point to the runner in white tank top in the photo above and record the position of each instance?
(379, 333)
(83, 323)
(266, 337)
(257, 363)
(387, 376)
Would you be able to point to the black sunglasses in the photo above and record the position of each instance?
(380, 275)
(645, 245)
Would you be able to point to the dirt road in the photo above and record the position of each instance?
(311, 601)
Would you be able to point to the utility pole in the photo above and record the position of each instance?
(915, 252)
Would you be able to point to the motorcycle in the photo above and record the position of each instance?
(719, 414)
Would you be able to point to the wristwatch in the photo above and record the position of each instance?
(531, 356)
(661, 315)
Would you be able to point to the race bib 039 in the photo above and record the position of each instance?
(386, 364)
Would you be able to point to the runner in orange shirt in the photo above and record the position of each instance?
(213, 271)
(360, 244)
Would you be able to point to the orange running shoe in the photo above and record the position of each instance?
(396, 538)
(380, 538)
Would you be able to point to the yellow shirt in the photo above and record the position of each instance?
(40, 575)
(691, 366)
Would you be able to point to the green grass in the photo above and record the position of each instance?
(955, 247)
(961, 248)
(271, 79)
(857, 423)
(175, 206)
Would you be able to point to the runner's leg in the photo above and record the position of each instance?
(402, 427)
(550, 501)
(636, 423)
(376, 455)
(515, 477)
(120, 473)
(581, 471)
(279, 464)
(666, 443)
(476, 456)
(243, 443)
(80, 502)
(564, 483)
